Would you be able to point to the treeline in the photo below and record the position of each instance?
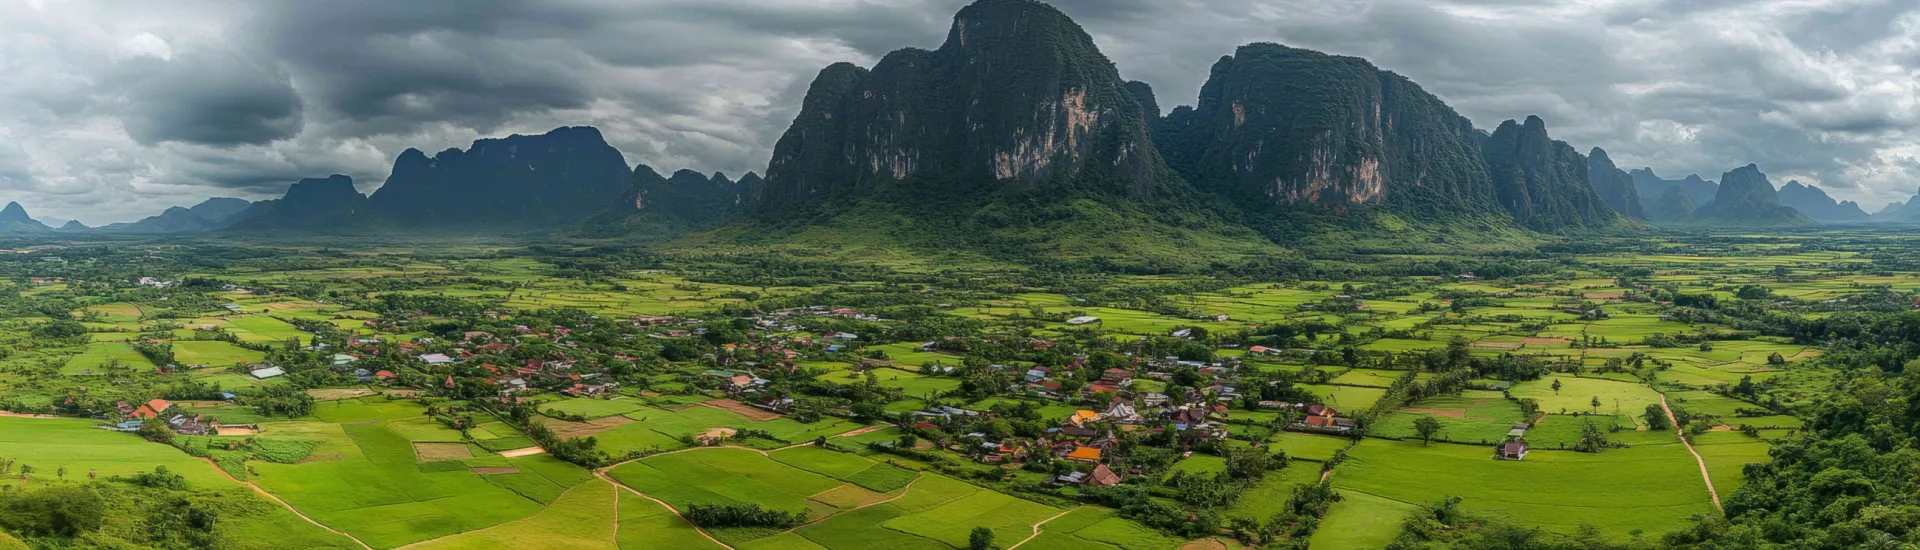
(742, 514)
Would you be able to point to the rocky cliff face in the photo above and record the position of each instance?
(1747, 198)
(1615, 186)
(689, 196)
(1815, 203)
(1017, 93)
(553, 179)
(1303, 127)
(1542, 182)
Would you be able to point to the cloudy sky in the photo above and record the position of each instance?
(111, 110)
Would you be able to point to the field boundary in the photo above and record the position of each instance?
(289, 507)
(543, 510)
(676, 513)
(1681, 432)
(1036, 526)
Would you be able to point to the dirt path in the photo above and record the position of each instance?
(1036, 527)
(515, 453)
(864, 431)
(1681, 432)
(903, 493)
(24, 415)
(689, 449)
(669, 507)
(289, 507)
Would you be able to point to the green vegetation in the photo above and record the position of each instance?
(926, 405)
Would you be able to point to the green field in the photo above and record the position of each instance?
(391, 502)
(1648, 488)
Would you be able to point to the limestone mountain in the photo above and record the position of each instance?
(1018, 93)
(1673, 206)
(1615, 186)
(655, 205)
(1652, 186)
(548, 180)
(72, 226)
(209, 215)
(1542, 182)
(1815, 203)
(313, 203)
(1897, 210)
(14, 219)
(1890, 208)
(1300, 127)
(1016, 137)
(1746, 197)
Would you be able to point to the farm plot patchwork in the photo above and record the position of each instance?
(386, 499)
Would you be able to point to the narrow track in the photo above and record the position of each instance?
(1036, 527)
(662, 503)
(1680, 431)
(289, 507)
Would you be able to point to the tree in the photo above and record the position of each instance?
(60, 510)
(1529, 408)
(1596, 404)
(1656, 418)
(1426, 427)
(980, 539)
(1556, 387)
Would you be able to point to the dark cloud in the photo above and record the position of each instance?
(134, 106)
(390, 66)
(218, 98)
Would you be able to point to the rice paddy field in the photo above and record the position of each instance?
(378, 470)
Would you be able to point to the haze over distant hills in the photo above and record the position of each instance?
(1018, 135)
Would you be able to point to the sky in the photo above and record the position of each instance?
(113, 110)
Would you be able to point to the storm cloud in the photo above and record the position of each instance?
(115, 109)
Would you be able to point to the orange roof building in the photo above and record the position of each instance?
(152, 409)
(1086, 454)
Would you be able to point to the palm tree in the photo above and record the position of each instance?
(1884, 541)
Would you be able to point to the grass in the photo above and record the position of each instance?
(593, 408)
(646, 525)
(863, 528)
(50, 443)
(382, 498)
(99, 357)
(1008, 517)
(1310, 446)
(1652, 488)
(1360, 520)
(1727, 454)
(214, 353)
(1577, 394)
(261, 329)
(1474, 417)
(721, 475)
(1269, 495)
(581, 518)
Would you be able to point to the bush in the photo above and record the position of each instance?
(742, 515)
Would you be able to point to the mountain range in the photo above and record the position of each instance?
(1018, 136)
(1815, 203)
